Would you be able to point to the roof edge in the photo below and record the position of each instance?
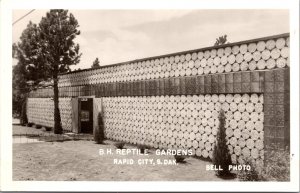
(184, 52)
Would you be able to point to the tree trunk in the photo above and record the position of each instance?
(23, 117)
(57, 120)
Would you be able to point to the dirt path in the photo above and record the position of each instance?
(80, 160)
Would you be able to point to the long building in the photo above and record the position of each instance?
(173, 100)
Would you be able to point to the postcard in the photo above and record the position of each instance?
(150, 97)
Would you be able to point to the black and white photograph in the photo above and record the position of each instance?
(152, 95)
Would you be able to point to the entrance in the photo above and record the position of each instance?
(86, 115)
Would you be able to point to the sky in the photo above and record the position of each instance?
(121, 35)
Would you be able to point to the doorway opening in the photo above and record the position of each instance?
(85, 115)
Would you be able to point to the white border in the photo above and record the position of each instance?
(5, 95)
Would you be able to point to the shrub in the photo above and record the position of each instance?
(249, 175)
(120, 145)
(99, 130)
(221, 156)
(179, 158)
(142, 148)
(48, 128)
(29, 124)
(277, 166)
(38, 126)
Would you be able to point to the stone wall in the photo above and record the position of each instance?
(188, 122)
(41, 111)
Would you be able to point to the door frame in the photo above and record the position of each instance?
(76, 117)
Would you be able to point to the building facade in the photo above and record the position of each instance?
(173, 101)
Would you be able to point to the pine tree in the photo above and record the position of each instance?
(20, 88)
(221, 40)
(96, 63)
(25, 53)
(221, 156)
(48, 49)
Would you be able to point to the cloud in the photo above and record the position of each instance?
(119, 46)
(120, 35)
(211, 21)
(100, 34)
(200, 28)
(94, 20)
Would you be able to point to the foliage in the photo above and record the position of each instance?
(142, 148)
(249, 175)
(99, 130)
(221, 40)
(48, 128)
(58, 30)
(221, 156)
(38, 126)
(120, 145)
(96, 63)
(276, 168)
(179, 158)
(20, 87)
(47, 49)
(29, 124)
(27, 53)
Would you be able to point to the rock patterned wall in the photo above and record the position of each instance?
(188, 122)
(41, 111)
(259, 54)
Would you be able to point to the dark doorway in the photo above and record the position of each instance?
(86, 115)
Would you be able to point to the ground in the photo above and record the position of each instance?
(80, 160)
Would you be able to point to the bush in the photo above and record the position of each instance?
(179, 158)
(99, 130)
(277, 166)
(48, 128)
(142, 148)
(221, 156)
(120, 145)
(249, 175)
(29, 124)
(38, 126)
